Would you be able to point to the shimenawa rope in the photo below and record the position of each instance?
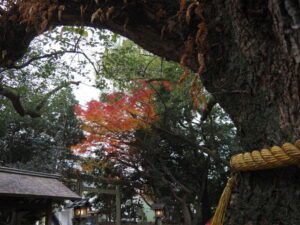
(287, 155)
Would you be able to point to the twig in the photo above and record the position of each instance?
(205, 112)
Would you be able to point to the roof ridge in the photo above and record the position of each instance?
(28, 172)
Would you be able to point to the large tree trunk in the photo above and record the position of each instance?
(252, 59)
(268, 39)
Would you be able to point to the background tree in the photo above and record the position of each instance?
(154, 137)
(40, 144)
(45, 69)
(102, 174)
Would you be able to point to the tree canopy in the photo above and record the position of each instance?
(153, 138)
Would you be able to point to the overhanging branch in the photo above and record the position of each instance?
(53, 54)
(13, 96)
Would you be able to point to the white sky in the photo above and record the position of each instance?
(85, 91)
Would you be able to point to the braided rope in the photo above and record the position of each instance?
(287, 155)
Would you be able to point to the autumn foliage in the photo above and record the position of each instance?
(110, 124)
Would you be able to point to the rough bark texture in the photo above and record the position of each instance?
(252, 60)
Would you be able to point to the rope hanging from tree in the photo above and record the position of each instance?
(287, 155)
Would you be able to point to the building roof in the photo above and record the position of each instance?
(79, 203)
(158, 206)
(22, 183)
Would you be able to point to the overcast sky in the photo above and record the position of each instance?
(85, 91)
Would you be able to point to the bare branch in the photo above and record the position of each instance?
(21, 66)
(90, 61)
(167, 171)
(2, 11)
(204, 149)
(206, 111)
(52, 92)
(53, 54)
(148, 64)
(156, 79)
(145, 200)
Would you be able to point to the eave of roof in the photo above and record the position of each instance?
(23, 183)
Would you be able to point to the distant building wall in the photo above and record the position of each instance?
(150, 215)
(65, 216)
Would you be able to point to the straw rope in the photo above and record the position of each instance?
(223, 202)
(286, 155)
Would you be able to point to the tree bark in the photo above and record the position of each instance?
(186, 214)
(252, 58)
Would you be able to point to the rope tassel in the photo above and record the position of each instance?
(223, 202)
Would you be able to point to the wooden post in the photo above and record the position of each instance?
(158, 221)
(79, 188)
(116, 192)
(49, 213)
(13, 217)
(118, 205)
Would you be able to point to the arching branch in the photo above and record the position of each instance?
(53, 54)
(14, 97)
(118, 16)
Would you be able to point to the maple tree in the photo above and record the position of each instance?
(159, 158)
(119, 114)
(146, 158)
(251, 56)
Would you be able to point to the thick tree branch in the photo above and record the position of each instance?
(12, 95)
(121, 19)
